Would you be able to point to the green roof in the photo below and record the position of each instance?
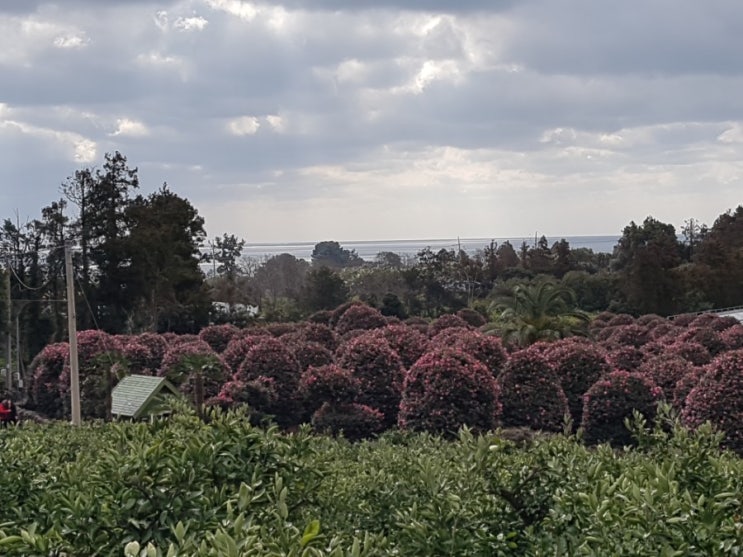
(140, 395)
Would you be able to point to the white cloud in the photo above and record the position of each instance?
(238, 8)
(78, 148)
(277, 123)
(130, 128)
(196, 23)
(734, 134)
(71, 41)
(245, 125)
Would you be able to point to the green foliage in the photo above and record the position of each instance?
(225, 488)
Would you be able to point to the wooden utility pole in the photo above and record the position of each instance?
(72, 330)
(9, 328)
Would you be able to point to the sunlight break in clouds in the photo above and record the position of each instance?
(130, 128)
(245, 125)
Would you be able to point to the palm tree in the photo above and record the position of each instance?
(537, 311)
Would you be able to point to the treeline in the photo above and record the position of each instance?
(140, 265)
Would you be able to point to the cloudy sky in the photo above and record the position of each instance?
(381, 119)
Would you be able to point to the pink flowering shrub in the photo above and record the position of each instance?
(352, 421)
(531, 394)
(322, 317)
(138, 358)
(487, 349)
(446, 321)
(218, 336)
(650, 320)
(258, 394)
(272, 359)
(448, 389)
(328, 384)
(337, 313)
(733, 337)
(98, 356)
(709, 338)
(310, 354)
(702, 320)
(605, 333)
(603, 318)
(156, 344)
(665, 371)
(409, 343)
(627, 358)
(577, 367)
(684, 386)
(684, 320)
(46, 369)
(183, 339)
(321, 334)
(472, 317)
(718, 398)
(694, 352)
(620, 319)
(379, 371)
(663, 331)
(417, 323)
(611, 400)
(360, 317)
(238, 348)
(185, 364)
(629, 335)
(723, 323)
(280, 329)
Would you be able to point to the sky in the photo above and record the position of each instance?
(310, 120)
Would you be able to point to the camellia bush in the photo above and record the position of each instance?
(447, 389)
(360, 317)
(352, 421)
(99, 357)
(310, 354)
(157, 345)
(409, 343)
(733, 337)
(238, 348)
(46, 370)
(328, 384)
(218, 336)
(718, 398)
(138, 358)
(666, 371)
(577, 366)
(379, 371)
(270, 358)
(446, 321)
(614, 399)
(531, 393)
(184, 365)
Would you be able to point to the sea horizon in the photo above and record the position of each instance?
(368, 249)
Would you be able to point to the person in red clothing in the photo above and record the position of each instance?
(5, 412)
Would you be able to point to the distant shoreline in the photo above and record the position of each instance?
(368, 249)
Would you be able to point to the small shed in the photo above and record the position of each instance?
(137, 396)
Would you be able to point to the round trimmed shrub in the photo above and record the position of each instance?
(684, 320)
(733, 337)
(710, 339)
(310, 354)
(138, 358)
(272, 359)
(627, 358)
(702, 320)
(603, 318)
(685, 385)
(620, 319)
(259, 394)
(723, 323)
(718, 398)
(328, 384)
(98, 356)
(352, 421)
(379, 371)
(321, 334)
(447, 321)
(184, 363)
(409, 343)
(666, 371)
(177, 340)
(531, 394)
(448, 389)
(612, 400)
(651, 320)
(629, 335)
(218, 336)
(360, 317)
(157, 346)
(663, 331)
(46, 369)
(238, 348)
(338, 312)
(280, 329)
(487, 349)
(577, 367)
(693, 352)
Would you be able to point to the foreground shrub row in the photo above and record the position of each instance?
(223, 487)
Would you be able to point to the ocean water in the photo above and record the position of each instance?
(369, 249)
